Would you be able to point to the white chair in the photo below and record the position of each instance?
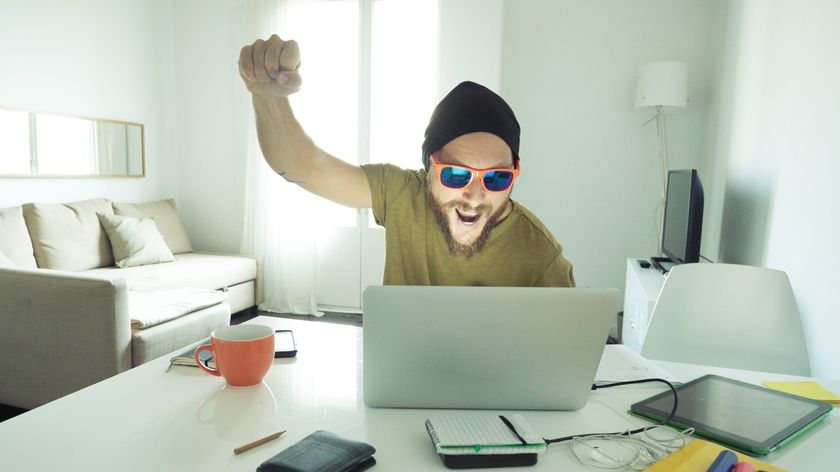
(728, 315)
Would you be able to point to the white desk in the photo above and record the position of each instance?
(146, 420)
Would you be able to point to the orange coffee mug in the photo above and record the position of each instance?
(243, 353)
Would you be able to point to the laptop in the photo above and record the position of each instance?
(501, 348)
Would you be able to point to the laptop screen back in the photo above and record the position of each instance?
(483, 347)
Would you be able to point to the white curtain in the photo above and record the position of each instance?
(283, 223)
(278, 223)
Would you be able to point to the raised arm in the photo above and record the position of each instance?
(270, 72)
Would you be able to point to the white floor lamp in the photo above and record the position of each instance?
(663, 86)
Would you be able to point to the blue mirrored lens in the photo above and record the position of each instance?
(497, 181)
(454, 177)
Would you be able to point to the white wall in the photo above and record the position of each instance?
(213, 110)
(590, 172)
(470, 43)
(91, 58)
(779, 117)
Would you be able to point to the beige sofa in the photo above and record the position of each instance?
(70, 318)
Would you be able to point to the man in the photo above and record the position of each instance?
(452, 223)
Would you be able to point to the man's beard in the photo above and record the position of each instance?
(456, 248)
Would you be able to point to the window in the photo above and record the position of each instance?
(369, 71)
(403, 79)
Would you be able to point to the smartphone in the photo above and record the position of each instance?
(284, 343)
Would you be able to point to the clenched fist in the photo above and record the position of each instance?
(271, 67)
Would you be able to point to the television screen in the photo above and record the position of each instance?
(683, 222)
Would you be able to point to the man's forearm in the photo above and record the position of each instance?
(286, 147)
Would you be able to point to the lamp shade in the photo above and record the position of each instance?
(662, 84)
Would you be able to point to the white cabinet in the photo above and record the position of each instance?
(641, 289)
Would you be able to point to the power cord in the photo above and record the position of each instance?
(629, 432)
(622, 451)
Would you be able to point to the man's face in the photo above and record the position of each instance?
(467, 215)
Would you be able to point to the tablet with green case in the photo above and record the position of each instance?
(743, 416)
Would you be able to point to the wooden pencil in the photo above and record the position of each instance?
(258, 442)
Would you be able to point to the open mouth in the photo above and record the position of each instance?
(467, 218)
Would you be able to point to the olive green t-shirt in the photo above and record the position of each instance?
(520, 251)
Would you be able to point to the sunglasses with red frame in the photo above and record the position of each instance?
(493, 180)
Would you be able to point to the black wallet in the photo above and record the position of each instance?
(322, 451)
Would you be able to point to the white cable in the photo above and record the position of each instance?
(624, 452)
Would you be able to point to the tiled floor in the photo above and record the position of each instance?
(353, 319)
(7, 412)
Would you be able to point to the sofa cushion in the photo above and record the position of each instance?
(68, 236)
(14, 238)
(147, 309)
(209, 271)
(5, 261)
(166, 218)
(135, 241)
(151, 343)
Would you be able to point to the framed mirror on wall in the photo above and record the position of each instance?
(47, 145)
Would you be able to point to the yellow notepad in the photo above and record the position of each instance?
(698, 455)
(807, 389)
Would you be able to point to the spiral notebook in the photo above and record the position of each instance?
(484, 441)
(459, 435)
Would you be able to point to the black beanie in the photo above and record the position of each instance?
(470, 108)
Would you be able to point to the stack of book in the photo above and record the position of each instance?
(484, 441)
(187, 357)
